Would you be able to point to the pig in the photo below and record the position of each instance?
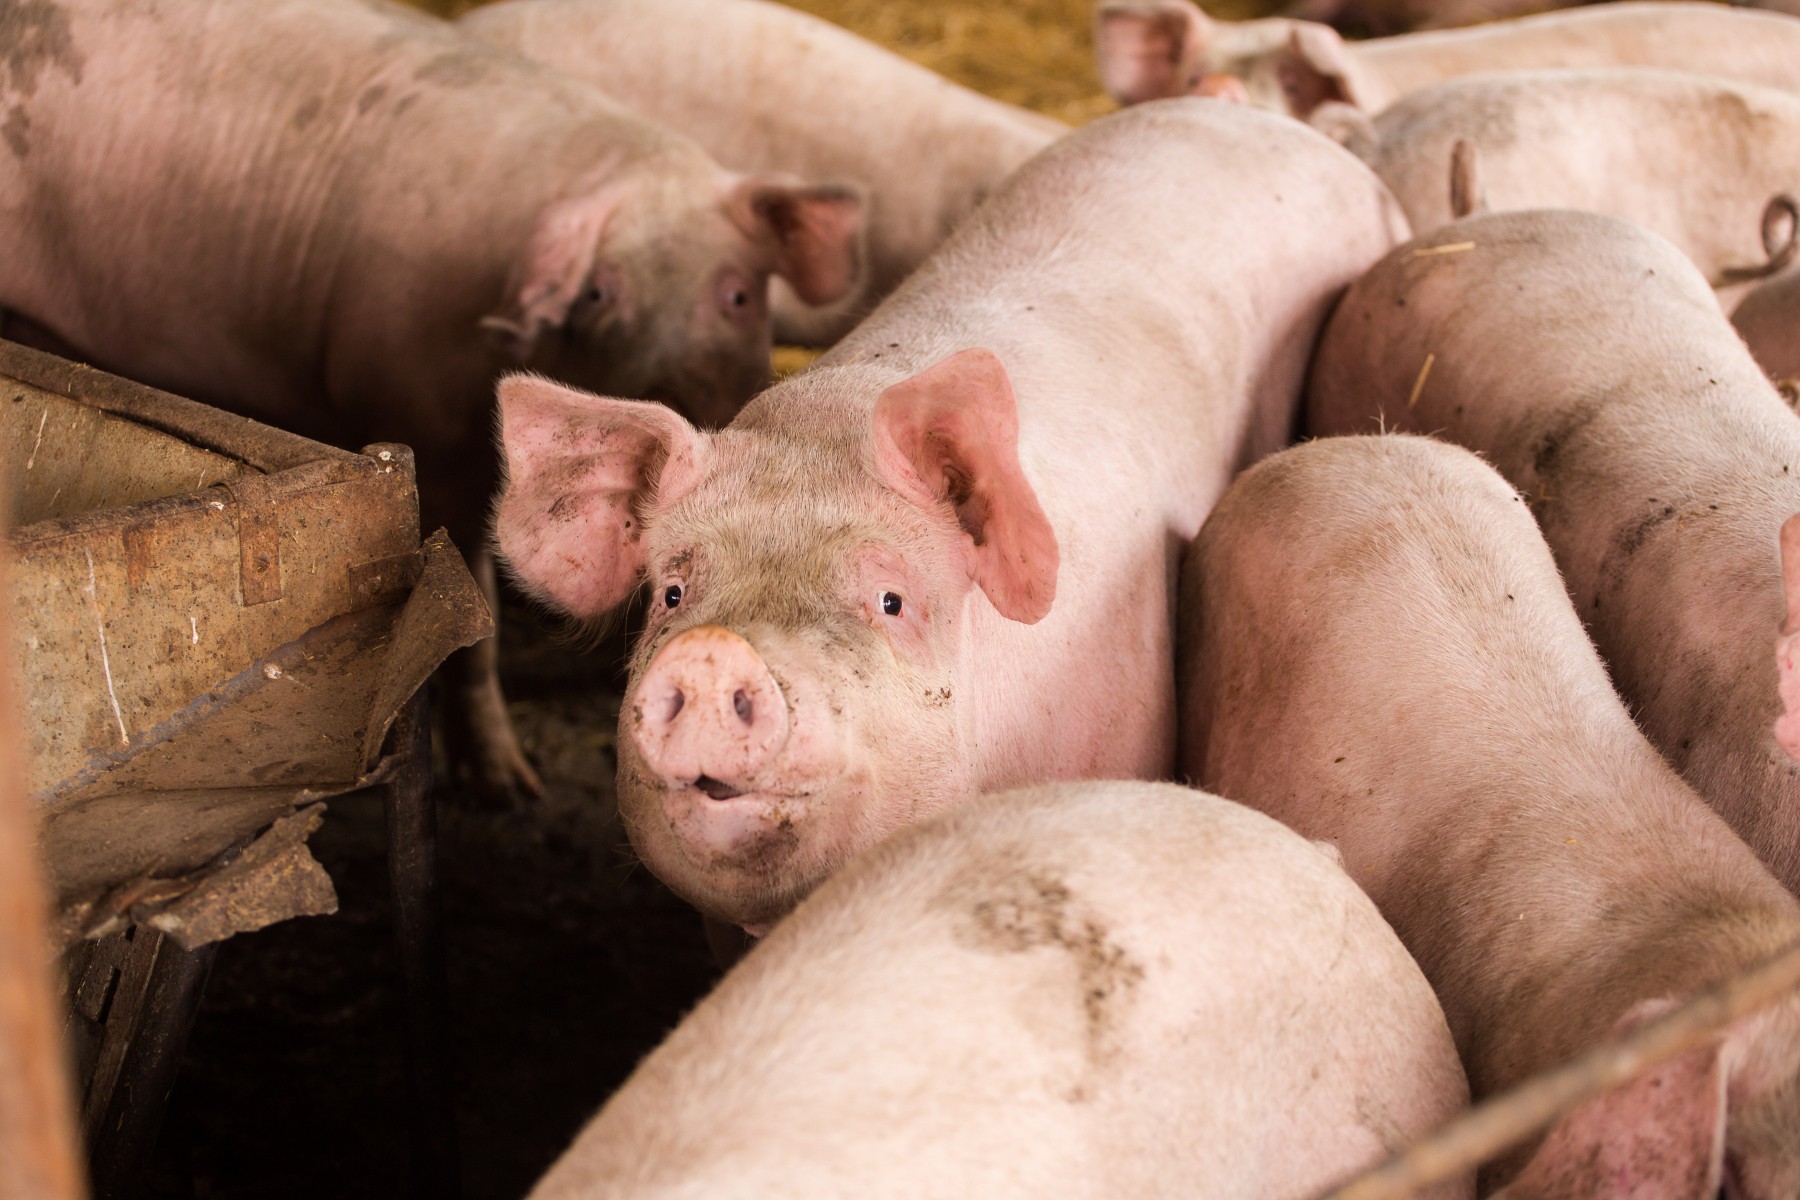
(1151, 49)
(1768, 319)
(1584, 358)
(1694, 158)
(940, 561)
(770, 89)
(1376, 650)
(355, 246)
(1060, 991)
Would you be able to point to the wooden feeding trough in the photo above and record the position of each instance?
(218, 625)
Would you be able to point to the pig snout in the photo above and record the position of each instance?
(709, 714)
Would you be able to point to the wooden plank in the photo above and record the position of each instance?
(38, 1158)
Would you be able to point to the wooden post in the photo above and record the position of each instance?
(38, 1157)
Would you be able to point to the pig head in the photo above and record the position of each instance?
(793, 695)
(656, 284)
(1156, 49)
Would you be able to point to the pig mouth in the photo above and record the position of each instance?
(717, 789)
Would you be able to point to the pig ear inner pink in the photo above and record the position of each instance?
(553, 267)
(1316, 68)
(951, 434)
(580, 472)
(817, 230)
(1144, 48)
(1660, 1136)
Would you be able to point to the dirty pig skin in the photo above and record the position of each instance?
(1585, 359)
(939, 562)
(1057, 992)
(356, 245)
(1377, 650)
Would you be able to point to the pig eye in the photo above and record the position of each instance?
(738, 298)
(598, 295)
(891, 604)
(672, 596)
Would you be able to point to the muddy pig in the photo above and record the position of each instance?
(1695, 159)
(1149, 49)
(1377, 651)
(771, 89)
(1062, 991)
(940, 561)
(1584, 358)
(356, 245)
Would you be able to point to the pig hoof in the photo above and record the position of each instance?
(502, 776)
(483, 748)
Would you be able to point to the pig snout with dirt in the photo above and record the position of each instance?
(770, 89)
(939, 562)
(1150, 49)
(1377, 650)
(1693, 158)
(356, 245)
(1086, 991)
(1584, 358)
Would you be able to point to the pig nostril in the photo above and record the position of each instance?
(675, 705)
(740, 701)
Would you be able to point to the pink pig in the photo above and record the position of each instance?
(1584, 358)
(770, 89)
(1087, 991)
(1377, 651)
(1696, 159)
(940, 561)
(348, 219)
(1150, 49)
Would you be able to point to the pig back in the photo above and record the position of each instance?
(1751, 47)
(1692, 157)
(772, 89)
(1370, 628)
(1085, 990)
(1586, 360)
(348, 197)
(1154, 282)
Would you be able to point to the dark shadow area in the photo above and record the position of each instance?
(567, 964)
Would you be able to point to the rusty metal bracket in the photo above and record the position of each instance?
(259, 537)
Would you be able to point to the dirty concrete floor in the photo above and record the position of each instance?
(567, 964)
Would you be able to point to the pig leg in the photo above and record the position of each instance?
(1787, 646)
(479, 735)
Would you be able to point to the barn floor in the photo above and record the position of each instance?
(566, 963)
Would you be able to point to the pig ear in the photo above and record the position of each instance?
(1144, 47)
(1315, 68)
(1787, 645)
(1659, 1137)
(952, 433)
(580, 471)
(818, 233)
(552, 269)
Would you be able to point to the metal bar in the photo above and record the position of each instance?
(418, 932)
